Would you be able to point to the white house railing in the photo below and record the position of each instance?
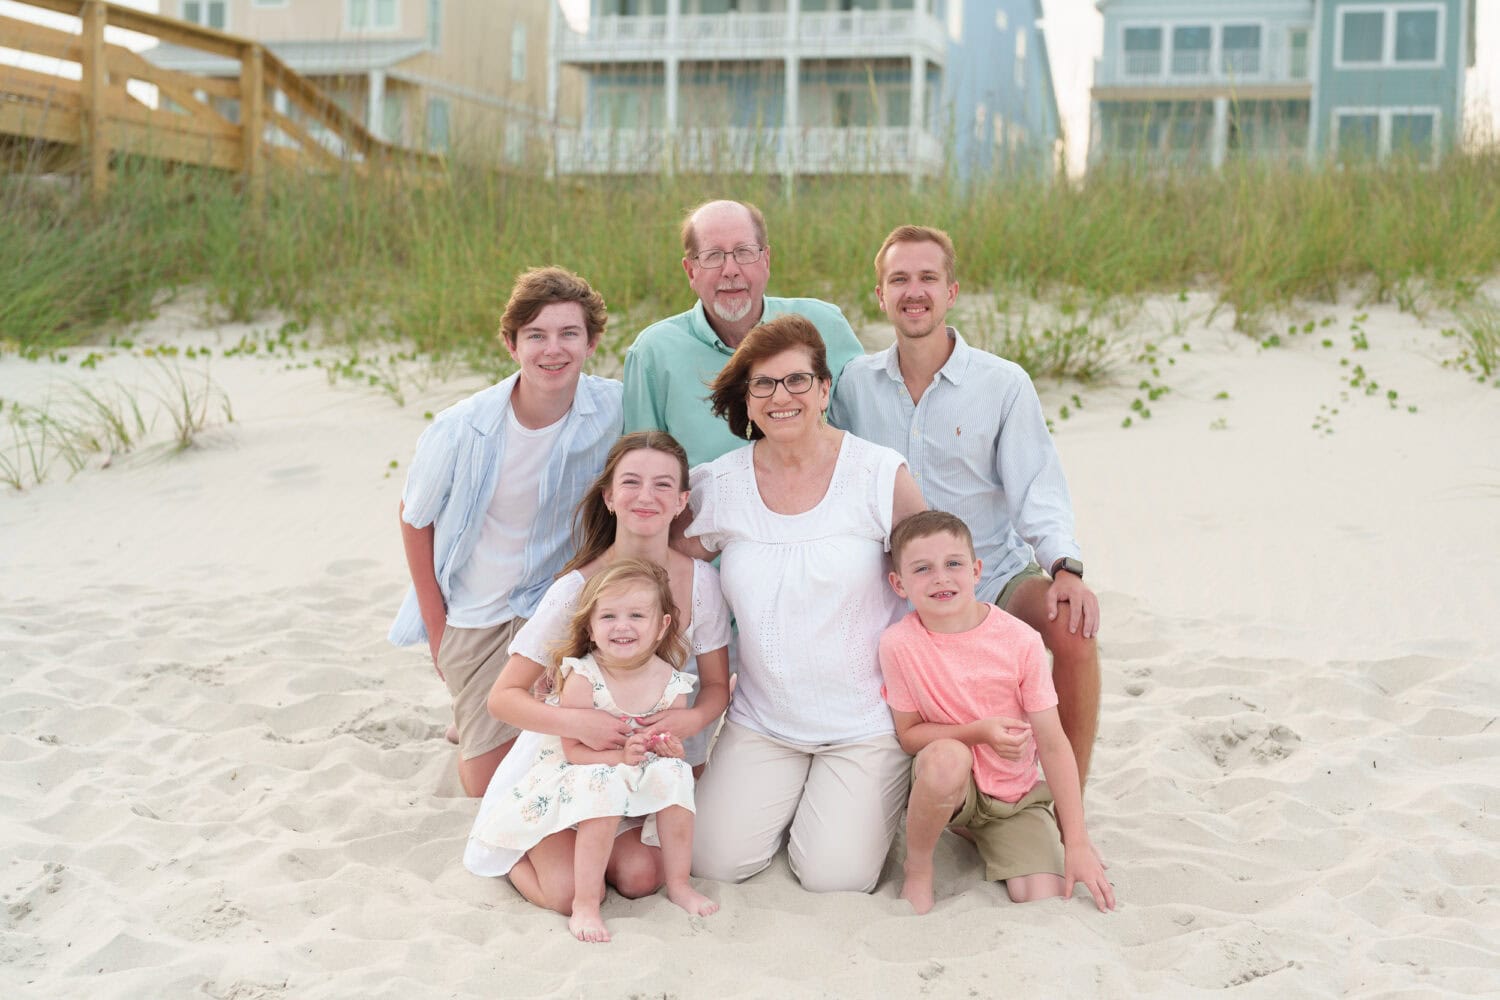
(817, 32)
(819, 150)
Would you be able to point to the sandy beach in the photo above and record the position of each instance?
(218, 780)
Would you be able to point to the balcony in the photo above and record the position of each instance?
(824, 150)
(865, 34)
(1276, 68)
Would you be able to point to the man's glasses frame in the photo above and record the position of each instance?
(743, 255)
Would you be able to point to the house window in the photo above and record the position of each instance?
(209, 13)
(518, 52)
(1416, 36)
(1190, 50)
(434, 23)
(393, 119)
(1143, 51)
(1241, 49)
(1297, 47)
(1020, 70)
(852, 108)
(1369, 133)
(1414, 134)
(437, 125)
(1364, 36)
(515, 142)
(1357, 137)
(378, 15)
(898, 107)
(1409, 35)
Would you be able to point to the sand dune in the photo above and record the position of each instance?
(218, 780)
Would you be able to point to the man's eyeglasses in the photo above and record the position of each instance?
(763, 386)
(714, 259)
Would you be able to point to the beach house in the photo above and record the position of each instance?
(802, 87)
(466, 76)
(1204, 81)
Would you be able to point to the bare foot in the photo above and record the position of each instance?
(692, 900)
(917, 887)
(586, 925)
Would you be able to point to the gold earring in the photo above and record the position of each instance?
(749, 430)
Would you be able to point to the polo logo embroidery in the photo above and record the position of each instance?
(958, 432)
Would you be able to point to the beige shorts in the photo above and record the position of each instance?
(471, 659)
(1030, 571)
(1014, 838)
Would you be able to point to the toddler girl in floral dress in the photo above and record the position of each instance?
(619, 657)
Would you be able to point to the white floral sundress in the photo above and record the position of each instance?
(555, 795)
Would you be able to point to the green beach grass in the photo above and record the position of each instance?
(371, 260)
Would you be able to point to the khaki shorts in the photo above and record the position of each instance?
(471, 659)
(1031, 570)
(1014, 838)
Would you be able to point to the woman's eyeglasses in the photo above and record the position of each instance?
(796, 383)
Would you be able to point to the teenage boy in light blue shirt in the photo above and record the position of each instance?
(974, 436)
(670, 365)
(487, 510)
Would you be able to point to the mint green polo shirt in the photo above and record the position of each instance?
(670, 365)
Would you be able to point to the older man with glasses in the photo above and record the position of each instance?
(667, 370)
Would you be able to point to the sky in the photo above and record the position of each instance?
(1074, 30)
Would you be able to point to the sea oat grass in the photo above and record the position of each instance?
(431, 263)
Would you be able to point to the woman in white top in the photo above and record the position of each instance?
(626, 513)
(802, 518)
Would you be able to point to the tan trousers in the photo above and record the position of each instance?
(836, 804)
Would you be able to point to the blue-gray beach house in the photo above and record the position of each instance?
(1205, 81)
(801, 87)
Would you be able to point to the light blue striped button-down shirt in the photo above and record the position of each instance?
(977, 444)
(453, 476)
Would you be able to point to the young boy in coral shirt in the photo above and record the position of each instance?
(960, 675)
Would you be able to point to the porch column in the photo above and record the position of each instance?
(554, 58)
(1219, 144)
(673, 63)
(375, 104)
(916, 127)
(792, 96)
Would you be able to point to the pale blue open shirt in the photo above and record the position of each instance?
(453, 476)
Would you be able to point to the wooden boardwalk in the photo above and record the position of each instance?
(231, 124)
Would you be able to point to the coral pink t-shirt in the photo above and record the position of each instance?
(999, 667)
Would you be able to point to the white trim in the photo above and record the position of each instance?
(1388, 58)
(372, 28)
(1384, 127)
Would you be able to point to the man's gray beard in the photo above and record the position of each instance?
(733, 315)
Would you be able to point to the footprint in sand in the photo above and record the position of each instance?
(1232, 741)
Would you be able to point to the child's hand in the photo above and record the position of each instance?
(1010, 738)
(1082, 863)
(635, 749)
(665, 745)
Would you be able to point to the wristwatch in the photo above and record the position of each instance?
(1067, 564)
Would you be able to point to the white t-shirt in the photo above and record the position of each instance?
(480, 594)
(808, 592)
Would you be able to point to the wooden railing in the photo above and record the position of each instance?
(227, 123)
